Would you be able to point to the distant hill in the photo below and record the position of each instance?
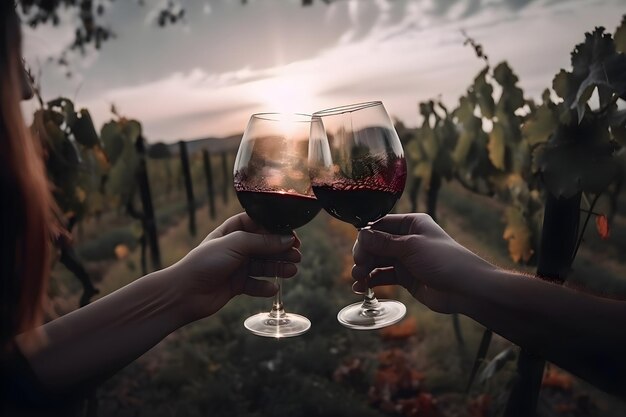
(213, 145)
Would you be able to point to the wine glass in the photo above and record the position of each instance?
(272, 183)
(358, 172)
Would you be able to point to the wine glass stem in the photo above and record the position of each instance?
(369, 298)
(277, 307)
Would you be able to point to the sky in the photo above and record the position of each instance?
(204, 77)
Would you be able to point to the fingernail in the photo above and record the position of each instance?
(286, 239)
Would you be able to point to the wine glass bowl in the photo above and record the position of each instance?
(358, 172)
(272, 183)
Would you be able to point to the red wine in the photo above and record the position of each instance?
(363, 200)
(279, 212)
(358, 207)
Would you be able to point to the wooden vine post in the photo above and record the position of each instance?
(579, 158)
(148, 219)
(227, 183)
(558, 242)
(208, 174)
(191, 206)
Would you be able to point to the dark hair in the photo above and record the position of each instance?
(25, 199)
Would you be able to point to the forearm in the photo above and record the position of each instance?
(577, 331)
(106, 335)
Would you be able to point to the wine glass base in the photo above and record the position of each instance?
(356, 317)
(287, 325)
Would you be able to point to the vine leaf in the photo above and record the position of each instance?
(112, 140)
(538, 128)
(512, 96)
(67, 108)
(119, 139)
(595, 62)
(578, 158)
(602, 226)
(620, 37)
(84, 130)
(471, 129)
(484, 94)
(518, 235)
(423, 170)
(496, 146)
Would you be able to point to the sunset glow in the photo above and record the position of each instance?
(286, 95)
(210, 73)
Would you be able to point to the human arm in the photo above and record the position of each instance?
(578, 331)
(98, 339)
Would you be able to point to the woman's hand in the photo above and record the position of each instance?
(413, 251)
(223, 265)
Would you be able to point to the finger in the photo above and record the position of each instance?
(258, 245)
(292, 255)
(360, 273)
(259, 288)
(237, 222)
(385, 244)
(378, 277)
(402, 224)
(243, 222)
(272, 269)
(367, 258)
(298, 242)
(362, 270)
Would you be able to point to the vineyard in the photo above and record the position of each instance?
(535, 186)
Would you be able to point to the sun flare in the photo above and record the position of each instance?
(285, 95)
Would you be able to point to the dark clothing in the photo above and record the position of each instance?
(22, 394)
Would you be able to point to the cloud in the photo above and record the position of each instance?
(182, 104)
(400, 52)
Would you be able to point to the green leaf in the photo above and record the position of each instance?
(69, 154)
(484, 94)
(620, 36)
(136, 229)
(413, 151)
(504, 75)
(67, 108)
(518, 235)
(132, 130)
(84, 130)
(538, 128)
(121, 180)
(54, 135)
(497, 147)
(594, 62)
(578, 158)
(561, 84)
(465, 111)
(424, 171)
(426, 137)
(112, 140)
(512, 97)
(444, 165)
(463, 147)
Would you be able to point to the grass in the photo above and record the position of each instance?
(214, 367)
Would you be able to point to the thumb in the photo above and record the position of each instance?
(383, 244)
(255, 244)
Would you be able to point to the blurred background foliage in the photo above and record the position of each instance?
(485, 170)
